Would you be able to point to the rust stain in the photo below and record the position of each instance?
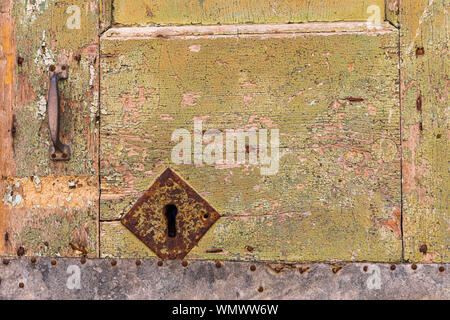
(336, 269)
(280, 267)
(354, 99)
(303, 270)
(148, 221)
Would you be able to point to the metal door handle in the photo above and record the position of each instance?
(58, 150)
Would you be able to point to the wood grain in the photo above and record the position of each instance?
(7, 97)
(36, 35)
(424, 72)
(333, 96)
(213, 12)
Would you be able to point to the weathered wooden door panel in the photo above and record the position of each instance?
(212, 12)
(48, 205)
(332, 96)
(424, 70)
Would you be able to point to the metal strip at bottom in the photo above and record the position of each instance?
(72, 278)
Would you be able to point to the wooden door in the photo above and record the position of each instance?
(354, 104)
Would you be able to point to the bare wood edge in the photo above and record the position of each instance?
(260, 31)
(7, 100)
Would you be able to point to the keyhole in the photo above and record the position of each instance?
(170, 211)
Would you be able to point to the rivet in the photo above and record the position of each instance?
(52, 68)
(160, 263)
(184, 263)
(113, 262)
(83, 260)
(365, 268)
(5, 262)
(53, 262)
(218, 264)
(21, 285)
(33, 260)
(393, 267)
(138, 262)
(252, 267)
(423, 248)
(260, 289)
(46, 242)
(420, 51)
(441, 269)
(419, 103)
(20, 251)
(414, 266)
(249, 249)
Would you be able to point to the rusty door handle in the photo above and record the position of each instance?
(58, 150)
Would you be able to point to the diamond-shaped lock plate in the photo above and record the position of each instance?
(148, 221)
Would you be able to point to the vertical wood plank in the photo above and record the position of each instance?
(44, 219)
(424, 74)
(7, 93)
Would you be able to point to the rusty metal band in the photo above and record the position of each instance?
(72, 278)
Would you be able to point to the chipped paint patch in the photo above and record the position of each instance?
(195, 48)
(34, 8)
(50, 192)
(41, 108)
(44, 56)
(190, 99)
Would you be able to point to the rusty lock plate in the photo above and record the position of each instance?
(171, 217)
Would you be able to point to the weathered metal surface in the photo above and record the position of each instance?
(179, 12)
(58, 150)
(171, 235)
(330, 89)
(148, 279)
(424, 87)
